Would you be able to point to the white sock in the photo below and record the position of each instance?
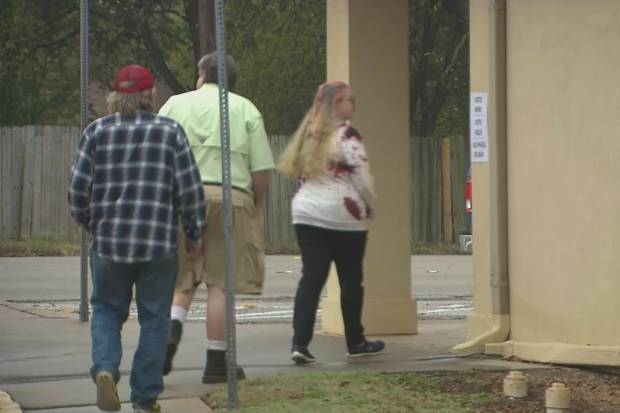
(178, 313)
(217, 345)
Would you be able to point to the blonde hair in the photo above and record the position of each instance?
(131, 103)
(313, 146)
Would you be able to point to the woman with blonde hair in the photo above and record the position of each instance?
(330, 215)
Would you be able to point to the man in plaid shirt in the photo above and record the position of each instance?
(134, 176)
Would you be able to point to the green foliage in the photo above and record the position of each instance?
(358, 392)
(149, 33)
(281, 56)
(39, 68)
(279, 45)
(439, 76)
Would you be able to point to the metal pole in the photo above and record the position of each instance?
(498, 161)
(220, 19)
(84, 314)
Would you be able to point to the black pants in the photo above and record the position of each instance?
(319, 247)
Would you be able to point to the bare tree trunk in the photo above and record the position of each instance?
(192, 18)
(206, 26)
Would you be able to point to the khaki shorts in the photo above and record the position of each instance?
(248, 247)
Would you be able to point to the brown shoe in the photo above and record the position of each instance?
(107, 393)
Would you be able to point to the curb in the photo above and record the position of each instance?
(8, 405)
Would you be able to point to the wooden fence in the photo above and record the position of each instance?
(427, 218)
(278, 220)
(35, 168)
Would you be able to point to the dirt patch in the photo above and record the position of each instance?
(591, 392)
(462, 392)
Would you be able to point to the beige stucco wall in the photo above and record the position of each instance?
(481, 320)
(367, 46)
(563, 171)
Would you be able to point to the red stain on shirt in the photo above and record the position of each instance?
(353, 208)
(341, 167)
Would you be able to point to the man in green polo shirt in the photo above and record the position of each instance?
(198, 112)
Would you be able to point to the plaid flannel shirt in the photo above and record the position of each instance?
(132, 178)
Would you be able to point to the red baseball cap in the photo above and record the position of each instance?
(141, 76)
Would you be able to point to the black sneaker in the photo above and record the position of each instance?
(216, 370)
(176, 331)
(155, 408)
(301, 355)
(367, 348)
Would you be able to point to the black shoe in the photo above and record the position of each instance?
(216, 370)
(176, 331)
(301, 355)
(367, 348)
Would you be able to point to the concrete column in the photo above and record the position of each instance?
(368, 47)
(482, 319)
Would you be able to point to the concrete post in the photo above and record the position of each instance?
(367, 47)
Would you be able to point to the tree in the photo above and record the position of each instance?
(439, 76)
(281, 50)
(39, 71)
(279, 46)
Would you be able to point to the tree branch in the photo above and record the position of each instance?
(440, 95)
(159, 59)
(56, 42)
(452, 63)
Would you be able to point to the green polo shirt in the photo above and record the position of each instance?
(198, 112)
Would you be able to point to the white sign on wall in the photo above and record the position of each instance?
(479, 135)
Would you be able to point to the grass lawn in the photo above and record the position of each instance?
(39, 247)
(359, 393)
(54, 247)
(465, 392)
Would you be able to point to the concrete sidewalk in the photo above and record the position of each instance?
(44, 362)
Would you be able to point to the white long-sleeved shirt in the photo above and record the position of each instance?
(343, 199)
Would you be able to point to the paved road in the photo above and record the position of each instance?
(442, 284)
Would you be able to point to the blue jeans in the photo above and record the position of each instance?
(110, 300)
